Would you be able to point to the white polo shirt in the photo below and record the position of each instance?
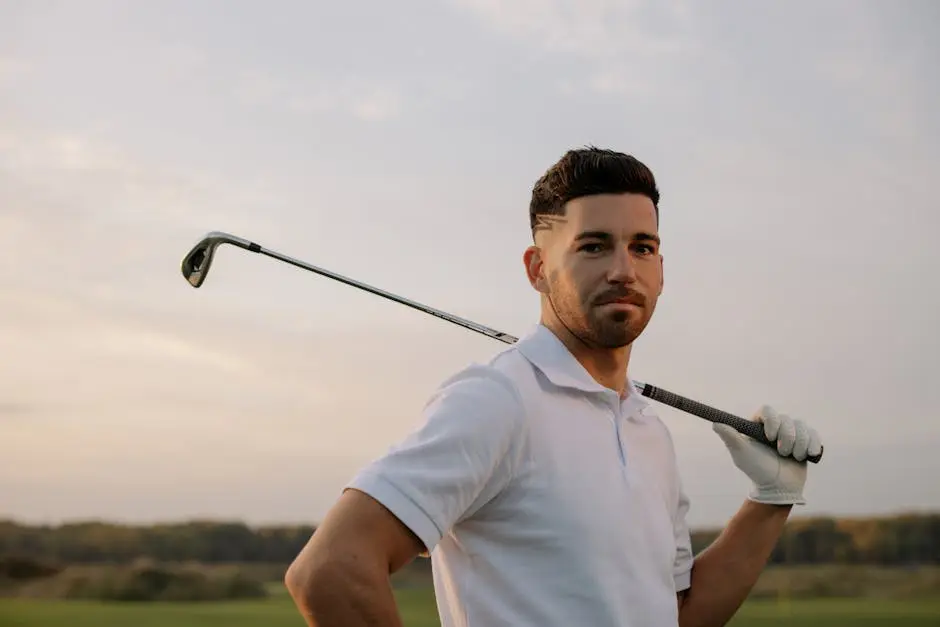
(543, 497)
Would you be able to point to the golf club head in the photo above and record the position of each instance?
(196, 263)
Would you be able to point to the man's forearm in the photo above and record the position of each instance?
(725, 572)
(347, 596)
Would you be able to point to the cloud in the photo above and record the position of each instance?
(11, 410)
(108, 202)
(126, 368)
(95, 355)
(176, 61)
(627, 45)
(208, 399)
(183, 354)
(594, 29)
(12, 68)
(368, 99)
(889, 92)
(23, 152)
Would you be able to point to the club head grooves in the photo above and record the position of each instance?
(196, 263)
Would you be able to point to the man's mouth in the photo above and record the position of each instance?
(621, 304)
(632, 299)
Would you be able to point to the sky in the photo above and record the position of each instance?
(796, 144)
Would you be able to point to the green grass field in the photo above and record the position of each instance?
(418, 610)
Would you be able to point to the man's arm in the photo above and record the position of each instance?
(724, 573)
(403, 503)
(342, 576)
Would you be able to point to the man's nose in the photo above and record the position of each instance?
(622, 269)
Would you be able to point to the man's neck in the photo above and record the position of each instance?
(607, 366)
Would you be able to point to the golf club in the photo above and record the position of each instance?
(195, 267)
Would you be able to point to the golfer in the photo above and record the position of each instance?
(542, 484)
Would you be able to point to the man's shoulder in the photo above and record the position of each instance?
(493, 383)
(495, 386)
(504, 373)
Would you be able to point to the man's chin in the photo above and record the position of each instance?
(618, 329)
(615, 336)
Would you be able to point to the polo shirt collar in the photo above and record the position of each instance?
(547, 353)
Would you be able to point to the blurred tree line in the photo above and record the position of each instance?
(208, 542)
(911, 539)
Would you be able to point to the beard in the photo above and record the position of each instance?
(598, 326)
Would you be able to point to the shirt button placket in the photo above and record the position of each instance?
(617, 414)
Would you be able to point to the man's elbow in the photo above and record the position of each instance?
(293, 579)
(317, 582)
(297, 580)
(307, 577)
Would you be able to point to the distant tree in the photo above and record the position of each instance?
(892, 540)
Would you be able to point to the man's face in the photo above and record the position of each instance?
(599, 267)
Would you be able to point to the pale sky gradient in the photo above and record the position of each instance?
(797, 145)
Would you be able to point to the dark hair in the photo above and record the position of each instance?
(588, 171)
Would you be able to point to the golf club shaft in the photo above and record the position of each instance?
(749, 428)
(468, 324)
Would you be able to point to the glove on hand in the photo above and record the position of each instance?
(777, 480)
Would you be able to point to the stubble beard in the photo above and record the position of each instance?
(612, 330)
(597, 328)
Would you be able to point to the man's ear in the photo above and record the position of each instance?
(534, 268)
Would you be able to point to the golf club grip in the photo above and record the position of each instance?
(753, 430)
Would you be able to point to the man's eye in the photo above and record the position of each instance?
(590, 248)
(646, 249)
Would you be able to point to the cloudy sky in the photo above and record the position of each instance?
(797, 146)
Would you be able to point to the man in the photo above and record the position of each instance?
(543, 486)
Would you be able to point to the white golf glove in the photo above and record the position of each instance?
(777, 480)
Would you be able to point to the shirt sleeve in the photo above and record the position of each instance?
(682, 568)
(460, 457)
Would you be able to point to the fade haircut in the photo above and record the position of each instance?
(585, 172)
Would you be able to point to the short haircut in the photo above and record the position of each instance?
(585, 172)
